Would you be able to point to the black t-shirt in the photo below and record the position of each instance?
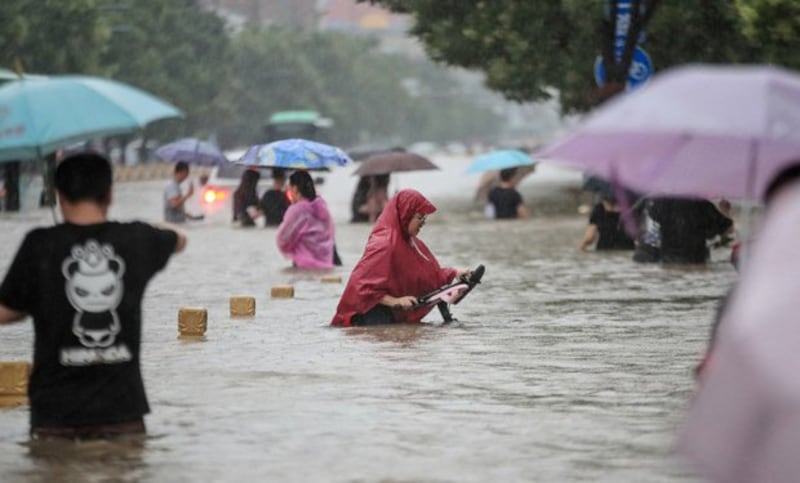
(611, 232)
(505, 201)
(686, 224)
(274, 204)
(83, 286)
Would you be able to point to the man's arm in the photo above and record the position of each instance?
(522, 210)
(178, 200)
(8, 315)
(588, 238)
(180, 245)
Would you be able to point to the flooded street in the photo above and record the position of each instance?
(563, 366)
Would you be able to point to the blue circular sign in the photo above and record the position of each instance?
(640, 72)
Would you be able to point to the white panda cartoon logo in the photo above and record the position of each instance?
(94, 288)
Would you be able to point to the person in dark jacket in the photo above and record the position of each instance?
(686, 224)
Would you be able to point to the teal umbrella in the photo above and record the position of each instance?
(500, 159)
(9, 75)
(38, 116)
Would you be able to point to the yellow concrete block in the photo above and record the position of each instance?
(14, 383)
(331, 279)
(283, 291)
(243, 306)
(192, 321)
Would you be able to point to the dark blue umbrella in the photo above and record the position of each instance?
(192, 151)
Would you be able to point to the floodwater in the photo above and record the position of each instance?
(564, 366)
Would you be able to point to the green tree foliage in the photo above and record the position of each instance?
(230, 83)
(346, 79)
(172, 49)
(773, 27)
(533, 49)
(52, 36)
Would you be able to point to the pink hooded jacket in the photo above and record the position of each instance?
(306, 234)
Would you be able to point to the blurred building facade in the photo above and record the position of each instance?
(388, 28)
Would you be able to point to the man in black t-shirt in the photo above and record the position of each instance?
(82, 281)
(505, 202)
(606, 227)
(274, 202)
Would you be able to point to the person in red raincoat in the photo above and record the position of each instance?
(395, 269)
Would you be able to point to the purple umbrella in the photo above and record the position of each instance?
(192, 151)
(695, 130)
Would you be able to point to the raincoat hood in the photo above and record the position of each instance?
(318, 209)
(394, 263)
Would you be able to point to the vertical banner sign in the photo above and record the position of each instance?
(641, 66)
(623, 24)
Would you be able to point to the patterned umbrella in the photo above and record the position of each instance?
(294, 154)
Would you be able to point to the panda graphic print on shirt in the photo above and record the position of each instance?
(94, 288)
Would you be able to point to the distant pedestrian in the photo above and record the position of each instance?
(358, 205)
(686, 224)
(83, 281)
(606, 230)
(306, 235)
(245, 199)
(505, 202)
(274, 201)
(378, 196)
(174, 198)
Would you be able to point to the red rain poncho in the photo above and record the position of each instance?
(394, 263)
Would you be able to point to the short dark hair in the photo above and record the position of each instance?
(84, 177)
(304, 183)
(278, 173)
(507, 174)
(181, 166)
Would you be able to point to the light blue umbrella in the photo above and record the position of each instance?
(192, 151)
(500, 159)
(38, 116)
(294, 154)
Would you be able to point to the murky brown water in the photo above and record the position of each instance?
(564, 366)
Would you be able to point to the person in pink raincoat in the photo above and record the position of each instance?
(306, 234)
